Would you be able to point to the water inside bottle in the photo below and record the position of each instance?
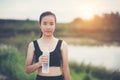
(45, 66)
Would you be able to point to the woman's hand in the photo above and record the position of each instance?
(43, 59)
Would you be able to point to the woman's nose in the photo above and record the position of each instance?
(48, 26)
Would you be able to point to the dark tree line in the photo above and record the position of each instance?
(107, 26)
(103, 28)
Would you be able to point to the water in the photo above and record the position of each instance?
(45, 66)
(103, 56)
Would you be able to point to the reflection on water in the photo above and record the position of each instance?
(104, 56)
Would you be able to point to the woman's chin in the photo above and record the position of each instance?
(48, 35)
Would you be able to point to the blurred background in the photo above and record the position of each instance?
(90, 27)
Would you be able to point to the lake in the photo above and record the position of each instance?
(104, 56)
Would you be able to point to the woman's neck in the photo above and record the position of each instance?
(47, 41)
(47, 38)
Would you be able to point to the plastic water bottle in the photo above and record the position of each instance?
(45, 66)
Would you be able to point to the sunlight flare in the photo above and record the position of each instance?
(89, 14)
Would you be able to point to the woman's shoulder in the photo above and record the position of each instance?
(31, 44)
(63, 41)
(64, 44)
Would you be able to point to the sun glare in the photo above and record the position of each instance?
(89, 14)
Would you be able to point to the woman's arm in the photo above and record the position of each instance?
(29, 68)
(65, 64)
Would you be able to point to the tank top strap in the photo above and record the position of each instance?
(59, 44)
(36, 45)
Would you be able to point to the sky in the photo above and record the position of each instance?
(65, 10)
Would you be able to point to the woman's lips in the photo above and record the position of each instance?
(48, 31)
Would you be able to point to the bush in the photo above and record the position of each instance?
(12, 64)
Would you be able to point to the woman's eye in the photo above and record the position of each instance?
(51, 23)
(44, 23)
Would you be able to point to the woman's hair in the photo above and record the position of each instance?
(46, 14)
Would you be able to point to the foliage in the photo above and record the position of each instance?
(104, 28)
(89, 72)
(12, 64)
(101, 30)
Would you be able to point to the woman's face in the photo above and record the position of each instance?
(48, 25)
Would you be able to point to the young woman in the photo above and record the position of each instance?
(58, 51)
